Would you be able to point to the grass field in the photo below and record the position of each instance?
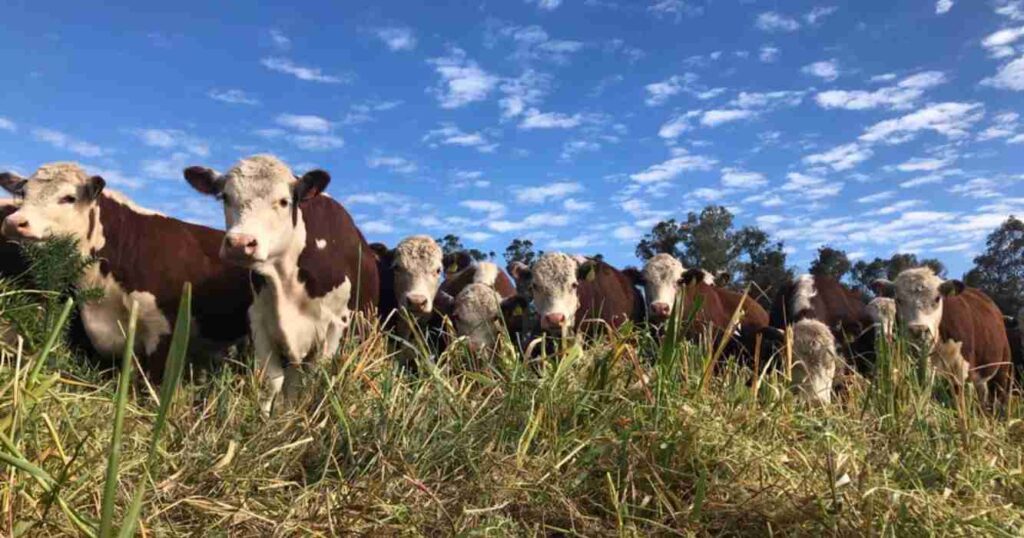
(618, 437)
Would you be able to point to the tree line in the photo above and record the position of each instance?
(751, 257)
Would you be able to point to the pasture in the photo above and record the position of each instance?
(617, 436)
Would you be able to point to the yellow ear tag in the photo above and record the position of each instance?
(592, 274)
(453, 268)
(518, 311)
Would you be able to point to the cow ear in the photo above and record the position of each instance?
(883, 287)
(693, 275)
(311, 184)
(380, 249)
(951, 288)
(12, 183)
(204, 180)
(450, 262)
(516, 305)
(444, 303)
(635, 276)
(93, 187)
(587, 271)
(723, 279)
(518, 270)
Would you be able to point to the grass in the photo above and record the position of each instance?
(621, 436)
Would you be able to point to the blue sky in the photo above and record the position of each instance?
(873, 126)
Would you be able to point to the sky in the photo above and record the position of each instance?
(872, 126)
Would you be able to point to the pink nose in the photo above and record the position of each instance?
(551, 321)
(660, 310)
(15, 226)
(239, 245)
(417, 302)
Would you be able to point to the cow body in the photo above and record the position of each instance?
(143, 258)
(311, 267)
(717, 307)
(485, 303)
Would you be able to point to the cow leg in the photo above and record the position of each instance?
(268, 360)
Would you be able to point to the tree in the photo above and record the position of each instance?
(521, 250)
(452, 243)
(864, 273)
(830, 262)
(761, 263)
(663, 239)
(999, 271)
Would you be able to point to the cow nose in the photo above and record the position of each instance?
(417, 301)
(553, 320)
(15, 226)
(919, 332)
(661, 310)
(240, 245)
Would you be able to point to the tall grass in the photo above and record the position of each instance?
(622, 435)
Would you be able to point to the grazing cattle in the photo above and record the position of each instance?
(814, 360)
(883, 313)
(959, 327)
(841, 310)
(143, 258)
(311, 267)
(666, 282)
(566, 293)
(484, 302)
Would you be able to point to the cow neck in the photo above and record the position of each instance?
(282, 273)
(113, 235)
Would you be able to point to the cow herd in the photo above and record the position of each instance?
(292, 271)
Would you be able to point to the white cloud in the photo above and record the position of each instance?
(235, 97)
(450, 135)
(60, 140)
(767, 100)
(735, 178)
(714, 118)
(671, 168)
(877, 197)
(951, 119)
(678, 125)
(397, 38)
(924, 165)
(547, 5)
(462, 80)
(675, 9)
(523, 91)
(363, 112)
(533, 43)
(899, 96)
(376, 227)
(493, 209)
(1012, 9)
(896, 207)
(399, 165)
(305, 123)
(811, 187)
(551, 191)
(979, 188)
(1009, 76)
(943, 6)
(312, 74)
(827, 70)
(535, 119)
(280, 40)
(317, 142)
(658, 93)
(477, 236)
(7, 125)
(818, 13)
(999, 43)
(576, 206)
(842, 157)
(536, 220)
(771, 21)
(173, 138)
(769, 54)
(885, 77)
(167, 168)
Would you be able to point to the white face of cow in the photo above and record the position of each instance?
(814, 360)
(477, 316)
(662, 279)
(259, 195)
(919, 295)
(417, 264)
(554, 280)
(59, 199)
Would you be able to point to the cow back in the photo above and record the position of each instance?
(973, 319)
(608, 295)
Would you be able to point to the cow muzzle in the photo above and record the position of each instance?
(418, 304)
(920, 336)
(239, 248)
(660, 311)
(554, 321)
(17, 227)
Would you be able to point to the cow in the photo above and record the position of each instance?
(883, 313)
(410, 275)
(666, 283)
(842, 310)
(142, 257)
(481, 272)
(814, 360)
(960, 328)
(310, 266)
(484, 303)
(567, 291)
(455, 262)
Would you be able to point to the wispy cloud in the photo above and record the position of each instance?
(672, 168)
(675, 9)
(63, 141)
(397, 38)
(771, 21)
(234, 97)
(173, 139)
(1009, 77)
(394, 163)
(842, 157)
(7, 125)
(304, 122)
(280, 40)
(535, 119)
(899, 96)
(448, 134)
(312, 74)
(364, 112)
(951, 119)
(462, 80)
(827, 70)
(943, 6)
(551, 191)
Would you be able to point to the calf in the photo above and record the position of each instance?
(814, 360)
(311, 267)
(481, 272)
(959, 327)
(484, 304)
(410, 276)
(883, 313)
(841, 310)
(566, 293)
(143, 257)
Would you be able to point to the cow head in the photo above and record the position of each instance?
(456, 261)
(919, 296)
(883, 312)
(417, 266)
(58, 199)
(478, 314)
(553, 283)
(520, 272)
(814, 360)
(261, 213)
(662, 279)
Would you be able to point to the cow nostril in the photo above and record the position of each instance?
(23, 224)
(251, 244)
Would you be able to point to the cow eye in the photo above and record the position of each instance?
(575, 285)
(69, 199)
(283, 202)
(437, 271)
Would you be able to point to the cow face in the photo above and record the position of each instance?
(477, 316)
(814, 360)
(883, 312)
(59, 199)
(662, 278)
(417, 265)
(919, 295)
(260, 196)
(554, 281)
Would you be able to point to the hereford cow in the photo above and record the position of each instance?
(143, 257)
(410, 276)
(566, 292)
(883, 312)
(666, 282)
(960, 327)
(841, 310)
(311, 267)
(814, 360)
(484, 304)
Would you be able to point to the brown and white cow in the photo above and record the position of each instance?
(815, 359)
(410, 276)
(567, 291)
(311, 267)
(485, 303)
(143, 257)
(961, 328)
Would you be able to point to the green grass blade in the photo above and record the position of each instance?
(120, 402)
(51, 340)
